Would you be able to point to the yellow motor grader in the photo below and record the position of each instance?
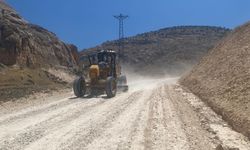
(101, 73)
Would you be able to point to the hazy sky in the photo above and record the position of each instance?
(87, 23)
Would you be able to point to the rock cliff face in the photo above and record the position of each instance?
(32, 59)
(167, 51)
(30, 45)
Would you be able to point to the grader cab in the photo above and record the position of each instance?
(102, 74)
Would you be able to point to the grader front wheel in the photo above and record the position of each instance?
(79, 87)
(111, 87)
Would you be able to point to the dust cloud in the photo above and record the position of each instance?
(137, 82)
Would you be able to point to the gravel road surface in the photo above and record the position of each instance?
(154, 114)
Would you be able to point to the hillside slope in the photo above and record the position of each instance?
(27, 44)
(31, 57)
(166, 51)
(222, 79)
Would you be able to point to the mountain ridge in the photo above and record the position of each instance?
(177, 48)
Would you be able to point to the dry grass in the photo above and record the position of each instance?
(17, 82)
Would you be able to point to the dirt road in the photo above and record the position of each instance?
(154, 114)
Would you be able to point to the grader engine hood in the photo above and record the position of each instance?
(94, 72)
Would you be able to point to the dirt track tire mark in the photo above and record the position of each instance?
(190, 122)
(29, 119)
(137, 124)
(137, 138)
(93, 131)
(148, 132)
(154, 132)
(121, 133)
(164, 127)
(34, 111)
(152, 118)
(37, 131)
(173, 124)
(67, 133)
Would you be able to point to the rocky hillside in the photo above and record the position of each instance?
(222, 79)
(166, 51)
(30, 45)
(31, 58)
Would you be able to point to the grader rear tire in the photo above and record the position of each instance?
(111, 87)
(79, 87)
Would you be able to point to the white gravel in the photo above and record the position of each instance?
(154, 114)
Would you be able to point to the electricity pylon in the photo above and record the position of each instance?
(121, 18)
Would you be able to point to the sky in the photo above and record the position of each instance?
(87, 23)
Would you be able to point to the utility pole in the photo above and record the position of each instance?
(121, 18)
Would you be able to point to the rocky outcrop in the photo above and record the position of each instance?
(167, 51)
(30, 45)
